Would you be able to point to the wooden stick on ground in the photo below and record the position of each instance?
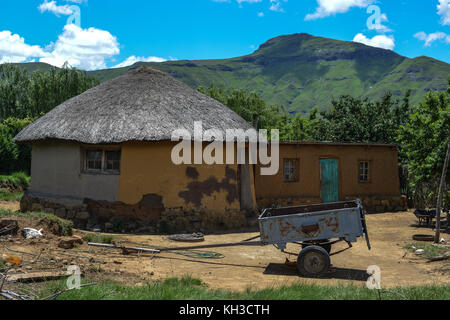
(445, 256)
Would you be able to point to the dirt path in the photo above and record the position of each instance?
(260, 267)
(10, 205)
(251, 267)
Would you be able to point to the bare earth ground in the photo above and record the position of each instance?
(10, 205)
(243, 267)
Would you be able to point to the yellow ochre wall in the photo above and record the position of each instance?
(147, 168)
(384, 178)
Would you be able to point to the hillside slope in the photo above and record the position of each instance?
(301, 71)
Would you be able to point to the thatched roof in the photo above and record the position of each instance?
(143, 105)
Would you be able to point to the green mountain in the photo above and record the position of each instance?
(301, 71)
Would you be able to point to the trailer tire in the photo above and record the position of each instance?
(325, 245)
(313, 261)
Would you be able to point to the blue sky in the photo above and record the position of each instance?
(116, 33)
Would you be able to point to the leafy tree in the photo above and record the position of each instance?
(356, 120)
(14, 157)
(247, 104)
(424, 138)
(23, 98)
(297, 128)
(14, 86)
(350, 119)
(22, 95)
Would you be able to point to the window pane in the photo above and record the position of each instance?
(290, 174)
(113, 155)
(94, 159)
(102, 161)
(364, 171)
(112, 160)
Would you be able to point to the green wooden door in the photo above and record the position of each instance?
(329, 180)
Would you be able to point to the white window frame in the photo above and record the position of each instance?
(291, 165)
(103, 150)
(364, 168)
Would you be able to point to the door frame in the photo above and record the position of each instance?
(339, 175)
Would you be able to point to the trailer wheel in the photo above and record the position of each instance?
(322, 243)
(313, 261)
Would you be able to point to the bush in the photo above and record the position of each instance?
(18, 180)
(14, 157)
(98, 238)
(118, 225)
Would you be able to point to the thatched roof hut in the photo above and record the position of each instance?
(143, 105)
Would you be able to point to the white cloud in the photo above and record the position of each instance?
(331, 7)
(444, 11)
(275, 6)
(133, 59)
(83, 48)
(380, 41)
(14, 49)
(261, 14)
(86, 49)
(249, 1)
(432, 37)
(54, 8)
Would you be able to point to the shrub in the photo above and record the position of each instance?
(98, 238)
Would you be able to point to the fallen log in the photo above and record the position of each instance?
(36, 276)
(445, 256)
(123, 247)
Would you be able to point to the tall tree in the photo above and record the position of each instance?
(23, 95)
(424, 138)
(356, 120)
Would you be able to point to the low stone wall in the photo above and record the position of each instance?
(287, 202)
(372, 204)
(145, 217)
(69, 210)
(380, 203)
(149, 216)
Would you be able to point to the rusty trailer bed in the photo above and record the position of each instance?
(313, 223)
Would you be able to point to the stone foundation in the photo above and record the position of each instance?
(146, 217)
(372, 204)
(149, 216)
(380, 204)
(286, 202)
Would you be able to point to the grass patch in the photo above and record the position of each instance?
(98, 238)
(16, 180)
(56, 224)
(430, 250)
(6, 195)
(11, 187)
(194, 289)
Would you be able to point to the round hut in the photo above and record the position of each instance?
(105, 156)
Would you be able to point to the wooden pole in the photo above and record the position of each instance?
(441, 191)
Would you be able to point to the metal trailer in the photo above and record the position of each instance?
(314, 227)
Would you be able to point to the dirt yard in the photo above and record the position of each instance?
(10, 205)
(242, 267)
